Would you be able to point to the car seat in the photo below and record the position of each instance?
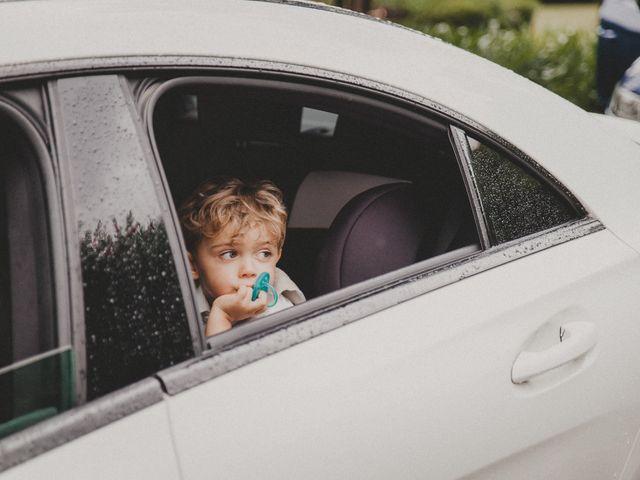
(318, 200)
(378, 231)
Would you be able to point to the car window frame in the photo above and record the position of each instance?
(460, 138)
(148, 90)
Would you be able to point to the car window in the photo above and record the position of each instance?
(36, 378)
(135, 320)
(328, 151)
(515, 201)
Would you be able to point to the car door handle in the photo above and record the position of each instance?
(576, 339)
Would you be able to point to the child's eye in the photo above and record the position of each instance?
(228, 255)
(264, 254)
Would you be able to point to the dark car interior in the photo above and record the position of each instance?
(370, 186)
(24, 251)
(35, 379)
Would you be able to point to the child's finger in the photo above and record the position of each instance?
(247, 294)
(260, 302)
(243, 292)
(262, 297)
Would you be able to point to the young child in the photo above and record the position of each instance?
(234, 230)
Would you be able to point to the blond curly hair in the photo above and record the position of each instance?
(232, 203)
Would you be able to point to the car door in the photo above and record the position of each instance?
(425, 388)
(512, 359)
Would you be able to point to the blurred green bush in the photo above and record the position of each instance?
(499, 30)
(561, 61)
(469, 13)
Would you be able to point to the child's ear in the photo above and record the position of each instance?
(194, 269)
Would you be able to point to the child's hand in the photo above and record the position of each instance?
(233, 307)
(238, 306)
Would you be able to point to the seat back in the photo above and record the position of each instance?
(318, 200)
(378, 231)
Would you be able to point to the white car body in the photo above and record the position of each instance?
(420, 388)
(617, 125)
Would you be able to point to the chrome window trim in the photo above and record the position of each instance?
(290, 327)
(72, 240)
(463, 154)
(74, 423)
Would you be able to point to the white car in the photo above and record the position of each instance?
(468, 243)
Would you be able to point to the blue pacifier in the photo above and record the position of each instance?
(262, 284)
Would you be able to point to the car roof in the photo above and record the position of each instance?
(305, 37)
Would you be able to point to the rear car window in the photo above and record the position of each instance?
(516, 202)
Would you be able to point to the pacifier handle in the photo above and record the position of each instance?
(262, 284)
(275, 295)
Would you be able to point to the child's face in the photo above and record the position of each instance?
(231, 259)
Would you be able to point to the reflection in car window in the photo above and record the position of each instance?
(135, 322)
(515, 203)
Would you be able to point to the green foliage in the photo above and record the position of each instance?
(470, 13)
(135, 322)
(561, 61)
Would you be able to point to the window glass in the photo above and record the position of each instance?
(35, 375)
(135, 321)
(515, 202)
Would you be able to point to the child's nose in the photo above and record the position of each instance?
(248, 267)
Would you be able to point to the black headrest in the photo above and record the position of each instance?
(378, 231)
